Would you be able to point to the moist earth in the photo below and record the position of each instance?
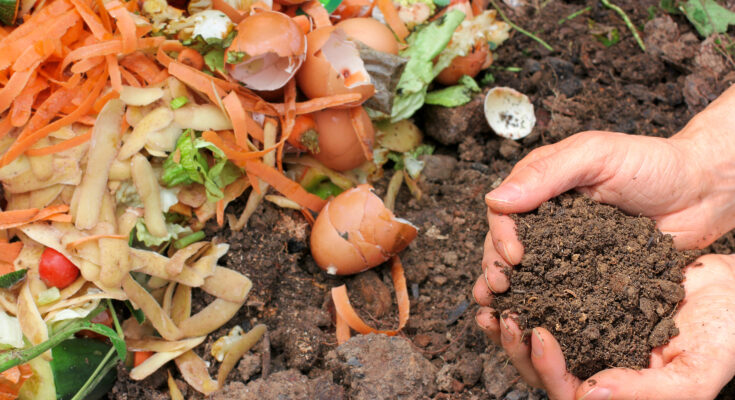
(604, 283)
(582, 85)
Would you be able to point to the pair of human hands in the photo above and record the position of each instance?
(683, 184)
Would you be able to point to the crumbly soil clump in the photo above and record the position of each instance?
(605, 284)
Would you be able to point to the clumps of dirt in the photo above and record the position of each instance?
(604, 283)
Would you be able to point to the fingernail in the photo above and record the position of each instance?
(487, 281)
(483, 314)
(507, 193)
(537, 348)
(505, 332)
(506, 254)
(597, 393)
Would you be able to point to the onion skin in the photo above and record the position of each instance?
(355, 232)
(471, 64)
(339, 148)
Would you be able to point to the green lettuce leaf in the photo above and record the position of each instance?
(456, 95)
(193, 167)
(423, 45)
(708, 16)
(174, 232)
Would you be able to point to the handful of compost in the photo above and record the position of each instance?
(355, 232)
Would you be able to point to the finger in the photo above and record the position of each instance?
(487, 321)
(548, 360)
(482, 294)
(537, 154)
(518, 351)
(580, 163)
(677, 380)
(504, 237)
(686, 239)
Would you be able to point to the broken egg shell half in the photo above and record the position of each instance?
(333, 66)
(274, 48)
(355, 232)
(370, 32)
(478, 59)
(509, 113)
(339, 147)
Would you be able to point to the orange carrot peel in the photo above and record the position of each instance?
(347, 316)
(16, 218)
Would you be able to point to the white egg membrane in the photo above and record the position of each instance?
(267, 71)
(509, 113)
(344, 57)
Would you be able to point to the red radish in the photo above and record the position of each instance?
(56, 270)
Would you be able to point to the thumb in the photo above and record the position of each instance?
(580, 163)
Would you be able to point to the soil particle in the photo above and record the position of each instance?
(374, 294)
(301, 340)
(469, 368)
(289, 384)
(375, 367)
(249, 365)
(438, 167)
(445, 380)
(451, 125)
(498, 374)
(150, 389)
(584, 267)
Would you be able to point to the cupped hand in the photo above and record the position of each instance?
(694, 365)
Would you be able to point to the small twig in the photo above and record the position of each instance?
(574, 15)
(266, 349)
(627, 21)
(519, 29)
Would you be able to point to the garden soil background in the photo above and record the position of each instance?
(441, 354)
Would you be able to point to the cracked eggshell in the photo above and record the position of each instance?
(370, 32)
(509, 113)
(274, 47)
(339, 147)
(355, 232)
(478, 59)
(333, 66)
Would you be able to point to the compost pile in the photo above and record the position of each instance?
(604, 283)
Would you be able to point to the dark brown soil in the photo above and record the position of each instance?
(604, 283)
(581, 85)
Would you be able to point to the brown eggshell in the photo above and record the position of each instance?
(274, 47)
(339, 148)
(290, 2)
(330, 249)
(269, 31)
(471, 65)
(318, 78)
(369, 233)
(372, 33)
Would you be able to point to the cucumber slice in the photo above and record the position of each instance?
(9, 11)
(40, 386)
(12, 278)
(74, 362)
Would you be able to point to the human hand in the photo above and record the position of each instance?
(685, 183)
(696, 364)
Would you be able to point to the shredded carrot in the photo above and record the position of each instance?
(309, 217)
(114, 46)
(26, 140)
(125, 25)
(90, 18)
(180, 208)
(15, 86)
(191, 58)
(9, 251)
(288, 120)
(12, 379)
(16, 218)
(140, 356)
(478, 6)
(349, 316)
(391, 17)
(169, 46)
(104, 99)
(86, 64)
(321, 103)
(343, 330)
(20, 111)
(221, 213)
(114, 68)
(239, 118)
(303, 124)
(287, 187)
(33, 55)
(76, 243)
(129, 78)
(317, 12)
(104, 16)
(234, 14)
(200, 81)
(360, 130)
(5, 126)
(141, 65)
(62, 146)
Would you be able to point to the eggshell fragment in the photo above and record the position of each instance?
(274, 48)
(339, 147)
(479, 58)
(333, 66)
(370, 32)
(355, 232)
(509, 113)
